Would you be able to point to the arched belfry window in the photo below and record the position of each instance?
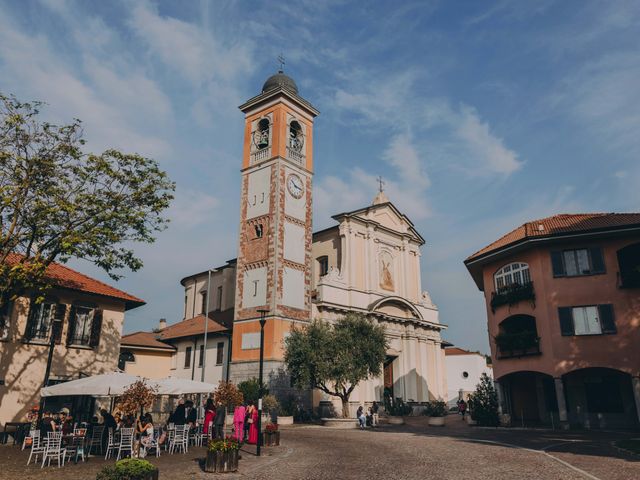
(261, 135)
(296, 137)
(513, 274)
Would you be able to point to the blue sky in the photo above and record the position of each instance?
(479, 115)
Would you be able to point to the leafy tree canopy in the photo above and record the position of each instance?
(58, 202)
(335, 358)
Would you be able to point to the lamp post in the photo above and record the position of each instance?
(56, 323)
(262, 313)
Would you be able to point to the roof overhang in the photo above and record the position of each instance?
(265, 97)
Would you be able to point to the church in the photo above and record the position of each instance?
(368, 262)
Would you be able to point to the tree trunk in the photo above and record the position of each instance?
(345, 407)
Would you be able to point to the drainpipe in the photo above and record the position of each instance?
(230, 335)
(193, 364)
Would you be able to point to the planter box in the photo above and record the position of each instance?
(221, 462)
(436, 421)
(271, 439)
(285, 420)
(395, 420)
(340, 422)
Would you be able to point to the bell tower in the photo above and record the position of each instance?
(274, 245)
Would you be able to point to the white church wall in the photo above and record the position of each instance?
(255, 287)
(294, 244)
(293, 287)
(258, 199)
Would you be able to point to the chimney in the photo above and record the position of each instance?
(162, 324)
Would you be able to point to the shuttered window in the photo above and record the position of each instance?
(587, 320)
(5, 319)
(39, 320)
(576, 262)
(220, 353)
(187, 357)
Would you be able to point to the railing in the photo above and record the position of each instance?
(520, 344)
(260, 155)
(295, 156)
(513, 294)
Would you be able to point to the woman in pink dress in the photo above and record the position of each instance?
(238, 422)
(252, 413)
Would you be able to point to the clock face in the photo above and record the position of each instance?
(295, 186)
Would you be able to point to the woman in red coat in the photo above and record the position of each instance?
(252, 414)
(209, 416)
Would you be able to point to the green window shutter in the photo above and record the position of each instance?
(566, 321)
(30, 330)
(96, 328)
(71, 331)
(597, 260)
(607, 321)
(557, 264)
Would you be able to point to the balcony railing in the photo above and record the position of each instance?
(261, 155)
(513, 294)
(629, 279)
(295, 156)
(520, 344)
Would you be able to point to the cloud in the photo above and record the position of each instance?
(486, 146)
(402, 155)
(192, 208)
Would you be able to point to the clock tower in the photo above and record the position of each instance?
(274, 245)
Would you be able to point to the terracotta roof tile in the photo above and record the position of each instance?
(558, 225)
(217, 323)
(65, 277)
(144, 339)
(458, 351)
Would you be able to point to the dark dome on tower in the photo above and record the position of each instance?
(280, 80)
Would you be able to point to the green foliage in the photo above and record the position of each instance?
(335, 358)
(59, 202)
(517, 342)
(127, 469)
(270, 403)
(227, 394)
(287, 407)
(436, 408)
(483, 403)
(397, 407)
(251, 390)
(223, 445)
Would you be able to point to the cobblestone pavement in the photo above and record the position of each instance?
(412, 451)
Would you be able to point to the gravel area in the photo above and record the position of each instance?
(412, 451)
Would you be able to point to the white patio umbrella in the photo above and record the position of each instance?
(105, 385)
(181, 386)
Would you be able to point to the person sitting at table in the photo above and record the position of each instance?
(118, 418)
(128, 421)
(209, 416)
(179, 416)
(67, 425)
(145, 429)
(191, 414)
(108, 421)
(48, 424)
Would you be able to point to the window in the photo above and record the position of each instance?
(250, 341)
(296, 140)
(465, 374)
(187, 357)
(512, 274)
(587, 320)
(220, 353)
(323, 265)
(203, 302)
(80, 326)
(258, 227)
(5, 320)
(186, 300)
(124, 358)
(261, 136)
(255, 288)
(219, 298)
(39, 323)
(581, 261)
(201, 358)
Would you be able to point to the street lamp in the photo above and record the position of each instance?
(56, 323)
(262, 313)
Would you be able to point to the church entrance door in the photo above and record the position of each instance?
(388, 377)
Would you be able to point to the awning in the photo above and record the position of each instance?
(180, 386)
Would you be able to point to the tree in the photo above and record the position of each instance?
(136, 398)
(58, 202)
(227, 394)
(335, 358)
(251, 389)
(483, 403)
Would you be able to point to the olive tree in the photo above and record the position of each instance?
(334, 358)
(58, 201)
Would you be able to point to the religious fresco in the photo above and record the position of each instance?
(386, 271)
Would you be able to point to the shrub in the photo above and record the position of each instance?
(269, 403)
(436, 408)
(287, 407)
(397, 408)
(127, 469)
(483, 403)
(224, 445)
(227, 394)
(251, 390)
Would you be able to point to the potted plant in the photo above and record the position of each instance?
(286, 411)
(271, 435)
(222, 455)
(396, 410)
(484, 403)
(230, 396)
(129, 469)
(436, 410)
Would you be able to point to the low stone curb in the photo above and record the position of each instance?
(624, 450)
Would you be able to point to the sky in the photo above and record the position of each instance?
(479, 116)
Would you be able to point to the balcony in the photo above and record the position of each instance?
(518, 344)
(261, 155)
(295, 156)
(513, 294)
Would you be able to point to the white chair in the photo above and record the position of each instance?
(153, 443)
(54, 449)
(171, 431)
(38, 446)
(32, 433)
(111, 444)
(180, 439)
(96, 439)
(76, 448)
(126, 442)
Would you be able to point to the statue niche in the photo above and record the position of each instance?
(386, 271)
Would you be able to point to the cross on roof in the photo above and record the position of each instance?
(381, 183)
(281, 62)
